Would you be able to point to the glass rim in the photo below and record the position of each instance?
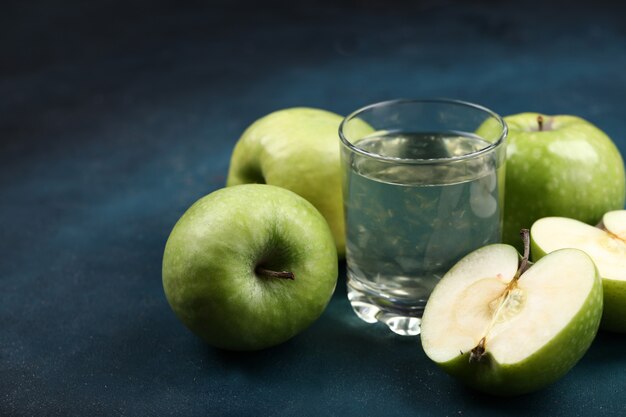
(428, 161)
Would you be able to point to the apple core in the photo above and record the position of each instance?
(509, 303)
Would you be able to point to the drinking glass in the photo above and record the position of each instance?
(423, 185)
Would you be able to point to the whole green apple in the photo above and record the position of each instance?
(249, 267)
(506, 327)
(559, 166)
(296, 149)
(606, 245)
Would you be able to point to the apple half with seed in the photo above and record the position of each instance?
(605, 244)
(505, 326)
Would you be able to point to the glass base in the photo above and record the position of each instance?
(401, 318)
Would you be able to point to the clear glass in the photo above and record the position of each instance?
(423, 185)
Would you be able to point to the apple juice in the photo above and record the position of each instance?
(410, 218)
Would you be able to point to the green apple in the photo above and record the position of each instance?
(605, 245)
(559, 166)
(249, 267)
(297, 149)
(505, 327)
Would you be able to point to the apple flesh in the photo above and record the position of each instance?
(559, 166)
(506, 330)
(606, 246)
(249, 267)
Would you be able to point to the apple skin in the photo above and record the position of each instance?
(210, 259)
(570, 169)
(297, 149)
(542, 368)
(614, 316)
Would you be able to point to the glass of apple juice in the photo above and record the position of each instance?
(423, 185)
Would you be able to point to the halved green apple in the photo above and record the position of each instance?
(605, 244)
(505, 327)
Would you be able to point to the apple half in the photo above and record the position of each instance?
(605, 244)
(505, 327)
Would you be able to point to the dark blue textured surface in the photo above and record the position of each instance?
(115, 117)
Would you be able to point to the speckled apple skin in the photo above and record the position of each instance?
(211, 255)
(572, 170)
(297, 149)
(614, 316)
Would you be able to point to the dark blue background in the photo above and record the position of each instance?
(115, 116)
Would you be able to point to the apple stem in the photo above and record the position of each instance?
(540, 122)
(274, 274)
(524, 264)
(478, 352)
